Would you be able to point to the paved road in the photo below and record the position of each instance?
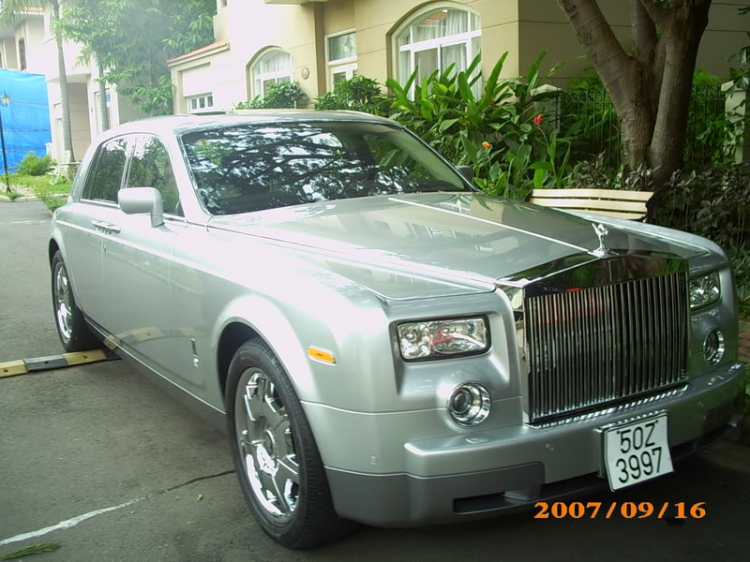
(27, 327)
(77, 441)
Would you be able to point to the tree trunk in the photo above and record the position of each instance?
(623, 77)
(650, 89)
(103, 113)
(64, 103)
(636, 121)
(666, 153)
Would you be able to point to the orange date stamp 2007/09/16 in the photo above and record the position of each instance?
(626, 510)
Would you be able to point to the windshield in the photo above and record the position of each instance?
(247, 168)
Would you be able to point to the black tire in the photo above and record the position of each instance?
(72, 329)
(313, 520)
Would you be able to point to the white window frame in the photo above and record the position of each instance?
(265, 77)
(448, 41)
(347, 65)
(207, 97)
(350, 70)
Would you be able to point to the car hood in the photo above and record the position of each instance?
(451, 236)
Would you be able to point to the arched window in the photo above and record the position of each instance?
(272, 66)
(435, 39)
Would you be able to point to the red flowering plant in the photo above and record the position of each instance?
(498, 126)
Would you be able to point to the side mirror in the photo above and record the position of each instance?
(138, 200)
(467, 172)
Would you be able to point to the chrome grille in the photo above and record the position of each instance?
(599, 345)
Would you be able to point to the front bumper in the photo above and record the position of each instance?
(515, 467)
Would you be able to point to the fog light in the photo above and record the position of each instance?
(469, 404)
(713, 347)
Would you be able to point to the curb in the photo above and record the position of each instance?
(26, 366)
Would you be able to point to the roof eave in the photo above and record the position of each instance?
(207, 51)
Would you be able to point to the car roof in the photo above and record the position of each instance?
(179, 124)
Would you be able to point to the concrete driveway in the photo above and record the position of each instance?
(101, 462)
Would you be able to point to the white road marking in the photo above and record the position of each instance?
(25, 222)
(68, 523)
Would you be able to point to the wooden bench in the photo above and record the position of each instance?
(610, 202)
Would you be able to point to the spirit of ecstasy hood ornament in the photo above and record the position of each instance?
(601, 232)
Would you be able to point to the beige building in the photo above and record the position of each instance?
(20, 45)
(30, 46)
(318, 43)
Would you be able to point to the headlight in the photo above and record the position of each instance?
(705, 290)
(442, 338)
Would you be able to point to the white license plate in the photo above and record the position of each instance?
(637, 452)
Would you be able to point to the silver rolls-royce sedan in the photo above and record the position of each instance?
(384, 343)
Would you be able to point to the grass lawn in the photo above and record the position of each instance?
(41, 187)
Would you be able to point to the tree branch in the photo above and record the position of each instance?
(593, 31)
(658, 13)
(614, 66)
(643, 30)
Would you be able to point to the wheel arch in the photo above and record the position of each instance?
(231, 339)
(252, 316)
(52, 249)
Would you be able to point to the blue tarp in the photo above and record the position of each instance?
(25, 119)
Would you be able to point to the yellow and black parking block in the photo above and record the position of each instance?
(13, 368)
(22, 367)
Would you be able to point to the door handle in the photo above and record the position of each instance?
(106, 226)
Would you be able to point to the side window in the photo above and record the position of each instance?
(150, 167)
(104, 179)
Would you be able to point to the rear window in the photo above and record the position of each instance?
(105, 179)
(249, 168)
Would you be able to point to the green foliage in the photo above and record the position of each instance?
(279, 95)
(53, 193)
(714, 203)
(51, 196)
(33, 165)
(11, 195)
(31, 550)
(597, 174)
(132, 40)
(355, 94)
(502, 133)
(740, 75)
(588, 117)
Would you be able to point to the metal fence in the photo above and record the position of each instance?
(588, 116)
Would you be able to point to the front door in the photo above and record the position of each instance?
(136, 260)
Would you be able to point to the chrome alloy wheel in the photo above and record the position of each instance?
(63, 304)
(264, 439)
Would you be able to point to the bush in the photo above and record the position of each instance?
(279, 95)
(11, 195)
(33, 165)
(596, 174)
(355, 94)
(588, 114)
(714, 203)
(502, 133)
